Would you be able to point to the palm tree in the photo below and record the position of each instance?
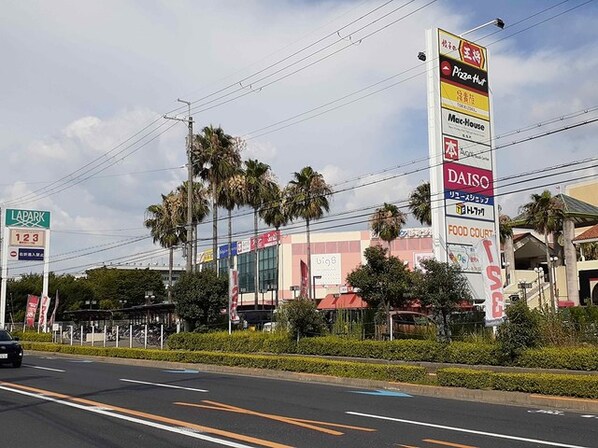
(275, 213)
(420, 203)
(166, 227)
(215, 157)
(545, 214)
(386, 223)
(200, 208)
(260, 186)
(308, 199)
(232, 194)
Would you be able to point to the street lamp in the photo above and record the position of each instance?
(553, 261)
(313, 282)
(539, 272)
(295, 288)
(523, 287)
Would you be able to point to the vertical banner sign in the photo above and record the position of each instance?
(53, 315)
(304, 280)
(494, 299)
(43, 312)
(31, 310)
(462, 163)
(26, 237)
(233, 294)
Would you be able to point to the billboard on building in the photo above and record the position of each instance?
(462, 165)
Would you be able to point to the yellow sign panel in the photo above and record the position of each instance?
(27, 238)
(465, 101)
(207, 256)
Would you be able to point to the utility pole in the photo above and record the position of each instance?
(189, 226)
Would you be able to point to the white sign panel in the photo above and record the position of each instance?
(466, 127)
(328, 266)
(463, 209)
(463, 151)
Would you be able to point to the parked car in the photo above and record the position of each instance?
(11, 351)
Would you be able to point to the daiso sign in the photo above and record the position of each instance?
(468, 179)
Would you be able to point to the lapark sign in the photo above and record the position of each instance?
(27, 218)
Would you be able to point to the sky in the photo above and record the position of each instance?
(335, 85)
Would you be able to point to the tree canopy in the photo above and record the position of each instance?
(442, 287)
(384, 281)
(200, 298)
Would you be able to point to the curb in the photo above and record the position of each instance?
(451, 393)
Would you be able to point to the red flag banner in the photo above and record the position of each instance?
(31, 310)
(304, 280)
(43, 312)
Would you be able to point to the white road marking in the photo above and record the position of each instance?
(45, 368)
(546, 411)
(97, 410)
(163, 385)
(469, 431)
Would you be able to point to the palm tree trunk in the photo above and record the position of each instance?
(309, 279)
(170, 263)
(571, 262)
(257, 268)
(549, 265)
(194, 262)
(215, 227)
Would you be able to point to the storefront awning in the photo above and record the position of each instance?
(342, 301)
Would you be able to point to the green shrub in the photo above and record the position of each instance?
(398, 350)
(584, 358)
(32, 336)
(520, 331)
(583, 386)
(301, 318)
(469, 378)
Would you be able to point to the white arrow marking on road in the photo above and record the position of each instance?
(469, 431)
(163, 385)
(46, 368)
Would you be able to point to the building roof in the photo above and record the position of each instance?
(342, 301)
(582, 213)
(588, 236)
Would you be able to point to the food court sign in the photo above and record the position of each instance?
(462, 163)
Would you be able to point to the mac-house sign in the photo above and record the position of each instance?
(27, 218)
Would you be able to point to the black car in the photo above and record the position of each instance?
(11, 351)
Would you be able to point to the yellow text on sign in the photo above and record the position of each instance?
(464, 100)
(27, 237)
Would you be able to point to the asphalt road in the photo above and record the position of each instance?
(55, 401)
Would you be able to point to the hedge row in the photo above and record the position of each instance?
(583, 386)
(399, 350)
(32, 336)
(345, 369)
(583, 358)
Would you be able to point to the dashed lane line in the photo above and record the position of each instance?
(170, 386)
